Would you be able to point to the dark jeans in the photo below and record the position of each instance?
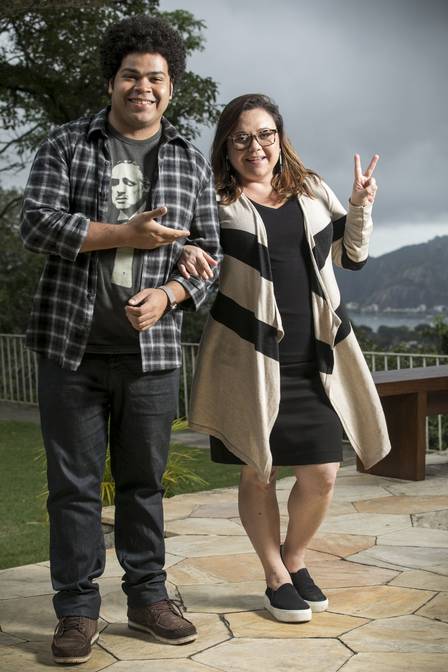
(108, 396)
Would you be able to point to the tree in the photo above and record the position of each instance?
(19, 269)
(49, 74)
(49, 70)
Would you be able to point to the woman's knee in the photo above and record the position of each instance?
(250, 477)
(319, 479)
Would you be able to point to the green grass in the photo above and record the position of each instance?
(23, 524)
(216, 475)
(24, 533)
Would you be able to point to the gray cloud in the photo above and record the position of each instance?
(349, 75)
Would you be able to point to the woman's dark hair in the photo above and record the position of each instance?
(289, 179)
(142, 34)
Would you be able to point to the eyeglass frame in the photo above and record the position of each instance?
(252, 136)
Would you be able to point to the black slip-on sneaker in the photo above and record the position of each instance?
(286, 605)
(308, 590)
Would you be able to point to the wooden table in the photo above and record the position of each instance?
(408, 396)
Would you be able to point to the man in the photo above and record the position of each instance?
(106, 325)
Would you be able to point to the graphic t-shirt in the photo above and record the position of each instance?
(119, 270)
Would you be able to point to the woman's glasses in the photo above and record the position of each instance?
(265, 137)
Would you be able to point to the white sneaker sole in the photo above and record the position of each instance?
(75, 660)
(288, 615)
(142, 628)
(317, 606)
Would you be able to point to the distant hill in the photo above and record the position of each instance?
(404, 278)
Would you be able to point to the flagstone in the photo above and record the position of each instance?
(377, 601)
(417, 578)
(340, 508)
(437, 608)
(351, 493)
(128, 644)
(217, 569)
(402, 504)
(262, 624)
(358, 478)
(343, 574)
(401, 633)
(336, 509)
(174, 508)
(24, 581)
(223, 597)
(341, 545)
(159, 666)
(276, 655)
(220, 495)
(435, 559)
(36, 656)
(415, 536)
(397, 662)
(196, 546)
(216, 510)
(204, 526)
(8, 640)
(359, 523)
(29, 618)
(285, 483)
(435, 519)
(108, 515)
(432, 486)
(348, 468)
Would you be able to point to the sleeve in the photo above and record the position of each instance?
(351, 232)
(204, 232)
(47, 225)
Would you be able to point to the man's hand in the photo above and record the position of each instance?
(146, 308)
(141, 232)
(194, 261)
(147, 234)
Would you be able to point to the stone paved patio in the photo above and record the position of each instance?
(382, 556)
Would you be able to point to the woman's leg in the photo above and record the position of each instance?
(260, 516)
(307, 504)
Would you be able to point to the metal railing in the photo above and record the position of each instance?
(18, 377)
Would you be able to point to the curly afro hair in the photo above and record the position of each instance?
(142, 34)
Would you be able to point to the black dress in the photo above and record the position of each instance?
(307, 429)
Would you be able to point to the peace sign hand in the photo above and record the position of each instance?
(364, 186)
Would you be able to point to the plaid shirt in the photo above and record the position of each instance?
(68, 186)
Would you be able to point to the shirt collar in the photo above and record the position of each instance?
(99, 125)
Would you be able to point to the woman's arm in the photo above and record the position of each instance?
(352, 229)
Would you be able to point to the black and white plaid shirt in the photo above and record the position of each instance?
(68, 186)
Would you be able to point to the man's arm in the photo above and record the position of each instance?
(205, 234)
(141, 232)
(47, 224)
(50, 227)
(148, 306)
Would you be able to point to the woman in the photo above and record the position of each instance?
(280, 372)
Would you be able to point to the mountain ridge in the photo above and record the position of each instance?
(412, 276)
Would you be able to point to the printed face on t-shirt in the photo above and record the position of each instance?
(127, 186)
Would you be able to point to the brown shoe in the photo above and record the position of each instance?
(164, 621)
(73, 639)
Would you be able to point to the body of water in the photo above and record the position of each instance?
(376, 320)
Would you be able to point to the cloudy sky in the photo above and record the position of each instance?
(348, 75)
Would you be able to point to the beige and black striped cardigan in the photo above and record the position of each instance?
(236, 389)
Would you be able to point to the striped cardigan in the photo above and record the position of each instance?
(236, 389)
